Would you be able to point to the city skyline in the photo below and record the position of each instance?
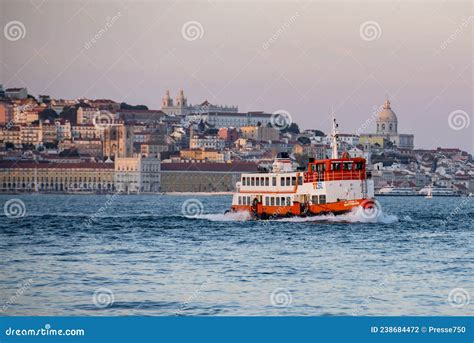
(296, 58)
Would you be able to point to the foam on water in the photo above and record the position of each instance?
(227, 217)
(357, 215)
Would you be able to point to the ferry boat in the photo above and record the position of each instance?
(335, 185)
(396, 191)
(437, 192)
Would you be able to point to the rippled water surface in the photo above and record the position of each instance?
(140, 255)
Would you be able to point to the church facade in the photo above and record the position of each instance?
(180, 107)
(387, 131)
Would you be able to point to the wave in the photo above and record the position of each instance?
(357, 215)
(227, 217)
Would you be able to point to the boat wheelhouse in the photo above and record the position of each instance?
(334, 185)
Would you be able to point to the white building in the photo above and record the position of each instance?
(180, 106)
(221, 119)
(206, 142)
(349, 138)
(137, 174)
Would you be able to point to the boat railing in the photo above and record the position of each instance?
(334, 176)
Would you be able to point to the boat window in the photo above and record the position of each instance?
(288, 201)
(282, 181)
(277, 201)
(262, 181)
(347, 166)
(243, 181)
(272, 201)
(267, 181)
(300, 180)
(288, 181)
(257, 181)
(359, 166)
(313, 167)
(322, 199)
(252, 181)
(240, 200)
(274, 181)
(248, 200)
(282, 201)
(266, 201)
(335, 166)
(293, 180)
(314, 199)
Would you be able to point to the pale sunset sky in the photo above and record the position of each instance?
(304, 57)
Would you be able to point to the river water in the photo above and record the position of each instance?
(179, 255)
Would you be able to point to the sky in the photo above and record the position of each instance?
(303, 57)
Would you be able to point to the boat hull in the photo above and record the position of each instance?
(303, 210)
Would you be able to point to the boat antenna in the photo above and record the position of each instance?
(334, 135)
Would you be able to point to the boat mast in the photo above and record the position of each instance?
(334, 134)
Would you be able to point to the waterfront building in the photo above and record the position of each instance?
(22, 176)
(203, 177)
(137, 174)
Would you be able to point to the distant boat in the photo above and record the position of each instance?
(396, 191)
(429, 195)
(437, 192)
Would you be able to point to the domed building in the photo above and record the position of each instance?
(387, 134)
(387, 121)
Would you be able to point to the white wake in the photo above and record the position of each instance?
(357, 215)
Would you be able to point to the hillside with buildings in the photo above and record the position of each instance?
(101, 146)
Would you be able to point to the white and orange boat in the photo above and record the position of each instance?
(335, 185)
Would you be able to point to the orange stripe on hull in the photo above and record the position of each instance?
(295, 210)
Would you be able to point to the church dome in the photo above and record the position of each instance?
(387, 115)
